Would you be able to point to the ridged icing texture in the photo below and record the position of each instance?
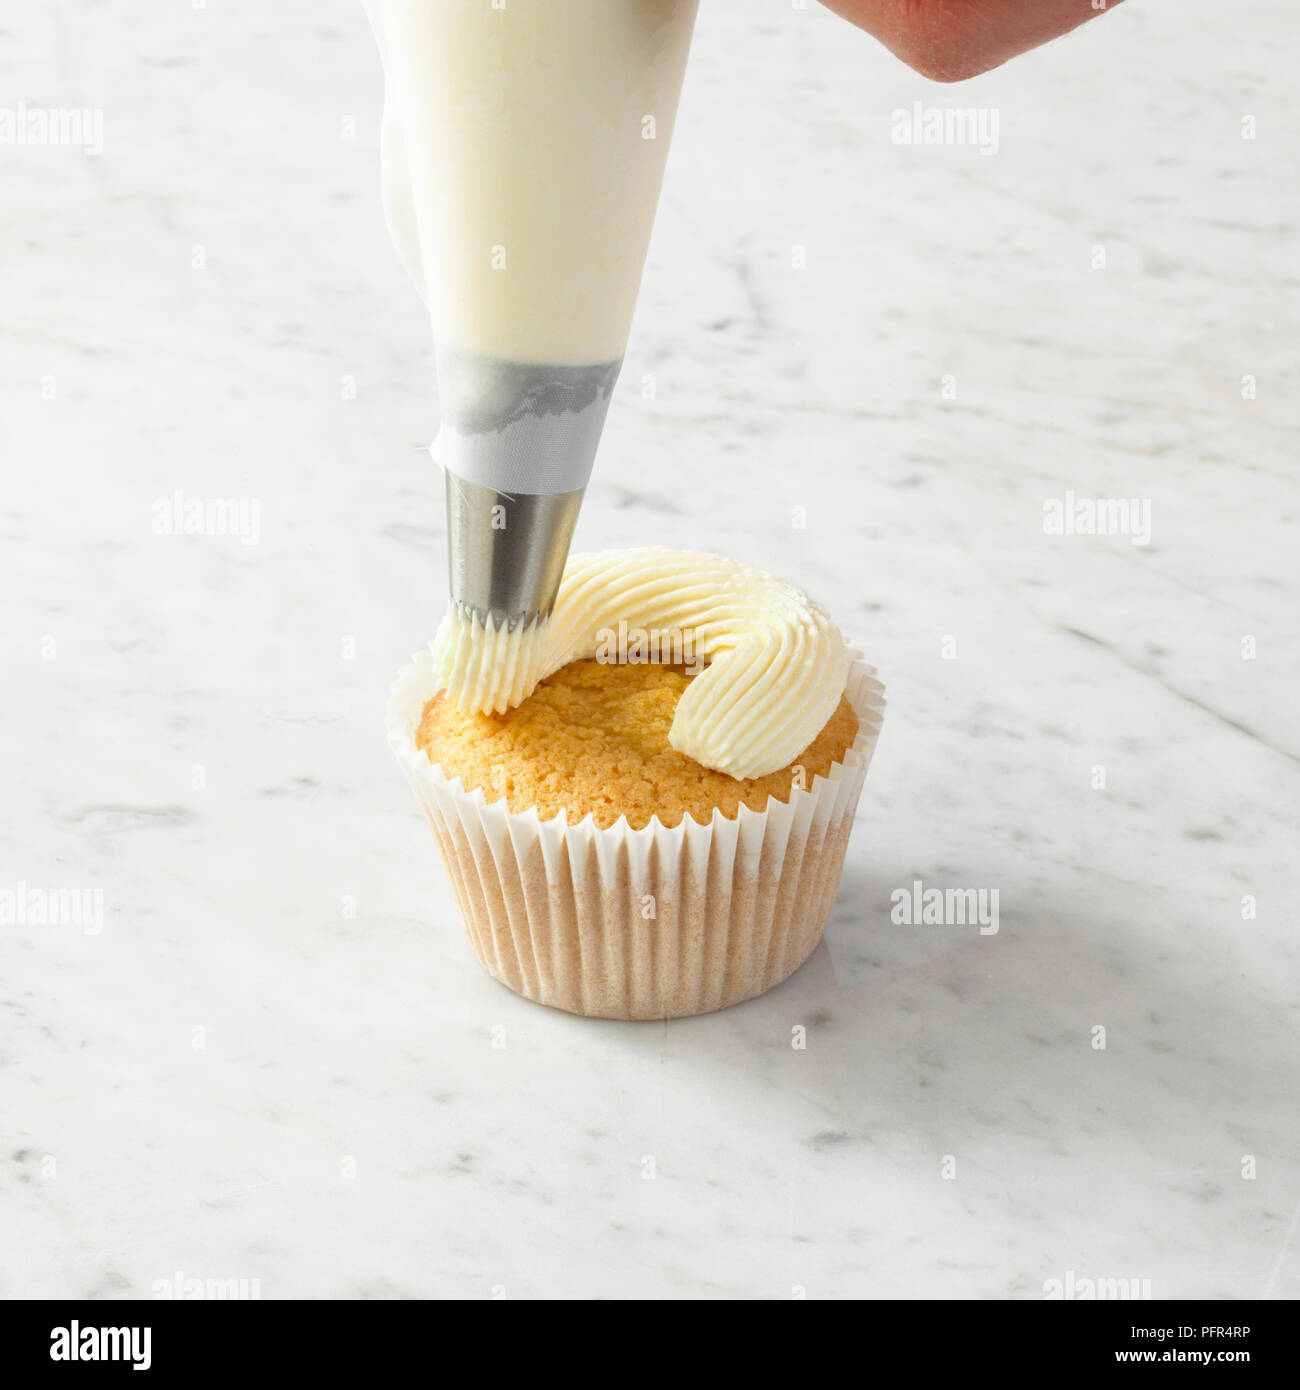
(776, 668)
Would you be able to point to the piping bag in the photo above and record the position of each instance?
(523, 148)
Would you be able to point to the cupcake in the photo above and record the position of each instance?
(651, 821)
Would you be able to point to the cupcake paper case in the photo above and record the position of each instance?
(640, 924)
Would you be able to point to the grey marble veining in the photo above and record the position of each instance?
(267, 1054)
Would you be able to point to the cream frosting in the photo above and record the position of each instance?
(776, 668)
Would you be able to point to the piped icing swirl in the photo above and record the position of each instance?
(776, 663)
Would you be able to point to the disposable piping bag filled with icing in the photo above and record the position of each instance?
(523, 150)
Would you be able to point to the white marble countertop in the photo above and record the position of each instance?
(192, 725)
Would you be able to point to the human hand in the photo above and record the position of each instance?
(951, 40)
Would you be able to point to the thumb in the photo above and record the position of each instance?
(950, 40)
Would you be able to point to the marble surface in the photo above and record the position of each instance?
(192, 724)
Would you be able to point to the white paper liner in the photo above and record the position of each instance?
(640, 924)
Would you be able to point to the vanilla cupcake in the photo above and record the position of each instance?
(651, 821)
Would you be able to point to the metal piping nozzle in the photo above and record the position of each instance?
(506, 551)
(517, 443)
